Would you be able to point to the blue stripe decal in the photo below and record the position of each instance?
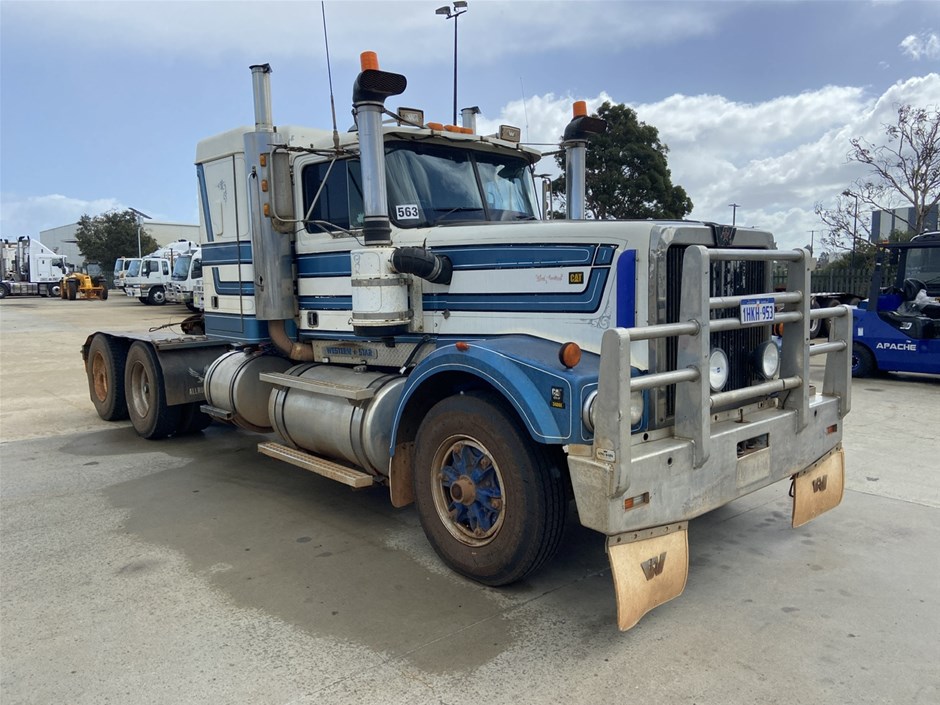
(331, 264)
(236, 328)
(626, 289)
(226, 253)
(326, 303)
(605, 255)
(204, 195)
(587, 301)
(469, 257)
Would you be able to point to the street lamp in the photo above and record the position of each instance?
(734, 212)
(855, 226)
(460, 7)
(140, 216)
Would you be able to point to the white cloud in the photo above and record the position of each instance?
(776, 158)
(403, 32)
(31, 214)
(925, 45)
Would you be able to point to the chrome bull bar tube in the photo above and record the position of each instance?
(695, 401)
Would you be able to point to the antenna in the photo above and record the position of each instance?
(329, 73)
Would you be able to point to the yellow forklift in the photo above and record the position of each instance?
(87, 284)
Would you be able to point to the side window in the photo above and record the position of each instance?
(340, 201)
(197, 268)
(166, 268)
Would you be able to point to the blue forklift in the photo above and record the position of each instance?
(897, 329)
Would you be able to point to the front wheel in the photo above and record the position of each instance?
(146, 394)
(3, 291)
(491, 501)
(863, 362)
(157, 296)
(72, 286)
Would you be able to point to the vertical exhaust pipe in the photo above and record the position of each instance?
(468, 118)
(261, 91)
(379, 293)
(574, 143)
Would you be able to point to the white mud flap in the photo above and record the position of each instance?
(819, 487)
(650, 567)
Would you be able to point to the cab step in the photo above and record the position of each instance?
(327, 468)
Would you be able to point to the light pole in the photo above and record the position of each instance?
(854, 227)
(734, 212)
(812, 237)
(460, 7)
(140, 217)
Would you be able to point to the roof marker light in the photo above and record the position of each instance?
(369, 60)
(579, 109)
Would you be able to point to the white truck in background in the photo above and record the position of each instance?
(187, 273)
(390, 302)
(149, 278)
(31, 269)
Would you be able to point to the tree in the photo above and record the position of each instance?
(904, 170)
(626, 172)
(104, 238)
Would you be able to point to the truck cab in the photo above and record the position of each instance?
(147, 280)
(187, 271)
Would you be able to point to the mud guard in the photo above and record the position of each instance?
(649, 567)
(819, 487)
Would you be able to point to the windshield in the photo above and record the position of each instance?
(134, 269)
(924, 264)
(432, 184)
(119, 265)
(181, 268)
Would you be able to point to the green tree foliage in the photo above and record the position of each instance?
(104, 238)
(627, 175)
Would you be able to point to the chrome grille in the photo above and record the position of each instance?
(727, 279)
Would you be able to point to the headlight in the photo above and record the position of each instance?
(588, 411)
(717, 369)
(767, 359)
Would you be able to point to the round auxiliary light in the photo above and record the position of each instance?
(636, 408)
(717, 369)
(767, 359)
(569, 355)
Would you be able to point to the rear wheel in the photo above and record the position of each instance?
(3, 291)
(146, 394)
(490, 500)
(863, 362)
(105, 371)
(157, 296)
(104, 293)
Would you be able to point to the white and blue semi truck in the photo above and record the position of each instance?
(391, 303)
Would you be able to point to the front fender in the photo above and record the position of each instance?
(525, 371)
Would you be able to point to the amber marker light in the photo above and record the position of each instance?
(369, 60)
(569, 355)
(435, 126)
(462, 346)
(579, 109)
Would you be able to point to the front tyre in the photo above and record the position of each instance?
(491, 500)
(157, 296)
(146, 394)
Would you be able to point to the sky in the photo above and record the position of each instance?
(102, 103)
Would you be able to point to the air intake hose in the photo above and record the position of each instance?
(423, 263)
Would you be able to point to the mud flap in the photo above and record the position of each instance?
(650, 567)
(819, 487)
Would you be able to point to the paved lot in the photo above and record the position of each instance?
(198, 571)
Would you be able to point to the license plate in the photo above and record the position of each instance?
(757, 310)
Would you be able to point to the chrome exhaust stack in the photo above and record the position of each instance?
(574, 143)
(379, 293)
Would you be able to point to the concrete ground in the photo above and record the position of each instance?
(196, 570)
